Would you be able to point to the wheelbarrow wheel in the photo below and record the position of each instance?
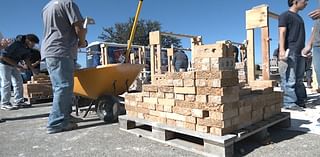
(107, 108)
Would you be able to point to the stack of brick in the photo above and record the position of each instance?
(208, 99)
(38, 88)
(242, 73)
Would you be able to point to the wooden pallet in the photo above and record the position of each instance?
(198, 142)
(37, 100)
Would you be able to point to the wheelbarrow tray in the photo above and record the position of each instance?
(112, 79)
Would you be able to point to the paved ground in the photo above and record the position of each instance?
(24, 135)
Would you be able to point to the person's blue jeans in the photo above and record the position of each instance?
(292, 81)
(8, 75)
(61, 74)
(316, 63)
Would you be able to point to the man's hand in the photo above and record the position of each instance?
(315, 14)
(35, 63)
(282, 55)
(82, 44)
(306, 52)
(21, 67)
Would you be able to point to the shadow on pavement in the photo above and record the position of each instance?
(27, 117)
(313, 100)
(297, 124)
(90, 125)
(277, 135)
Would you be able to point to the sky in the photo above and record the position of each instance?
(212, 19)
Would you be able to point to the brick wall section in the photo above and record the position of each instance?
(209, 99)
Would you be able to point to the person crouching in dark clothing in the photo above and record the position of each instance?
(17, 51)
(180, 61)
(35, 59)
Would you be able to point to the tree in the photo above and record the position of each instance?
(120, 33)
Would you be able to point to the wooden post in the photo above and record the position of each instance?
(103, 54)
(152, 63)
(265, 47)
(250, 55)
(133, 58)
(194, 41)
(158, 70)
(258, 17)
(170, 57)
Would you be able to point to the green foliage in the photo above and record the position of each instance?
(120, 33)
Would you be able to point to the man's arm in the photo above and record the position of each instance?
(307, 49)
(282, 38)
(315, 14)
(28, 63)
(35, 63)
(81, 33)
(12, 62)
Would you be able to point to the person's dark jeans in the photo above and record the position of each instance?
(308, 72)
(292, 81)
(26, 75)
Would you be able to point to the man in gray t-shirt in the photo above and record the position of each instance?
(1, 37)
(63, 35)
(314, 44)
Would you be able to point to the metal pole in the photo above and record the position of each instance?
(133, 30)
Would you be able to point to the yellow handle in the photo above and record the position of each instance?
(133, 31)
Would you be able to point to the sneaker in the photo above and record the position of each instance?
(7, 107)
(294, 108)
(75, 119)
(23, 105)
(303, 105)
(70, 126)
(2, 120)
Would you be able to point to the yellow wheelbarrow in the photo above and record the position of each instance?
(102, 84)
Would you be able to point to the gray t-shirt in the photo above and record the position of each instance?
(60, 38)
(316, 28)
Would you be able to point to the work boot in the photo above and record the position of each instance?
(70, 126)
(75, 119)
